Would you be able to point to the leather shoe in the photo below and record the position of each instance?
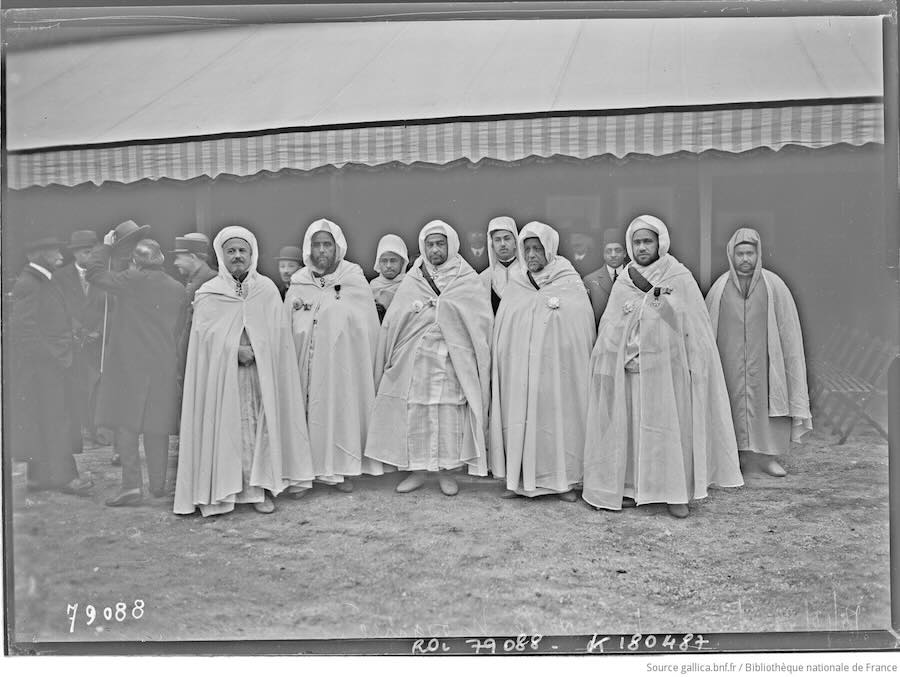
(126, 498)
(509, 493)
(115, 460)
(568, 496)
(628, 502)
(77, 487)
(346, 486)
(411, 483)
(679, 510)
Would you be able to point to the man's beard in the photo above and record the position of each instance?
(320, 267)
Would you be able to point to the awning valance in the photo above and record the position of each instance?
(620, 134)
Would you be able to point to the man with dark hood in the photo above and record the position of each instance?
(659, 425)
(757, 330)
(138, 389)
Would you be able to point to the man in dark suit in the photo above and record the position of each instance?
(42, 346)
(138, 389)
(475, 250)
(584, 257)
(191, 258)
(599, 283)
(84, 304)
(290, 261)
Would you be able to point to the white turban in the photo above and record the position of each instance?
(549, 240)
(226, 234)
(444, 229)
(395, 245)
(499, 223)
(650, 223)
(333, 229)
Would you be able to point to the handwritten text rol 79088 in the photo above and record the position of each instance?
(118, 612)
(538, 644)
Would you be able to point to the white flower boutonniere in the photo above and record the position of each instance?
(628, 307)
(418, 306)
(553, 303)
(300, 304)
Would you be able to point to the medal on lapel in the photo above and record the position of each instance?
(656, 302)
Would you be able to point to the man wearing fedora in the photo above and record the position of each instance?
(289, 262)
(85, 305)
(128, 233)
(138, 388)
(42, 347)
(192, 260)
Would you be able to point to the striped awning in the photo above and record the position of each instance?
(655, 133)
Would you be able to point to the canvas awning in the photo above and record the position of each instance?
(300, 96)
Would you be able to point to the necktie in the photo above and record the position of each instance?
(615, 275)
(85, 286)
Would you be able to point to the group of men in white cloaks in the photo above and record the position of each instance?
(504, 372)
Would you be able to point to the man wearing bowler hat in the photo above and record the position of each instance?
(191, 258)
(42, 346)
(138, 388)
(289, 262)
(84, 304)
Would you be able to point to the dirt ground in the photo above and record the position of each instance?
(807, 552)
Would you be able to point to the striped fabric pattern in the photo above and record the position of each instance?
(732, 130)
